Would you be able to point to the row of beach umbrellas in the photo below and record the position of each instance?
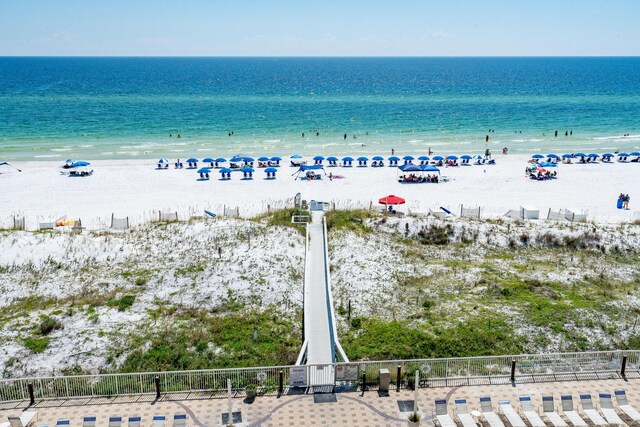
(590, 155)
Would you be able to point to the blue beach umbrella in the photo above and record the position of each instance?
(438, 158)
(548, 165)
(226, 170)
(296, 156)
(537, 156)
(423, 158)
(347, 159)
(609, 155)
(192, 160)
(247, 159)
(332, 159)
(452, 158)
(466, 157)
(394, 159)
(159, 161)
(635, 153)
(407, 158)
(275, 159)
(362, 159)
(247, 169)
(263, 159)
(580, 155)
(78, 164)
(318, 158)
(271, 170)
(204, 170)
(568, 156)
(552, 156)
(208, 160)
(221, 159)
(619, 155)
(377, 158)
(593, 155)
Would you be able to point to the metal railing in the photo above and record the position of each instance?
(270, 380)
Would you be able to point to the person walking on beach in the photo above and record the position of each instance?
(487, 154)
(486, 138)
(625, 202)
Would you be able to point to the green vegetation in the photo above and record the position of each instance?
(36, 344)
(282, 218)
(48, 325)
(196, 339)
(352, 220)
(122, 304)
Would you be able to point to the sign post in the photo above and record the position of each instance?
(298, 376)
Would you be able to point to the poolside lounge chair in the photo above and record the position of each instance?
(486, 409)
(158, 421)
(569, 411)
(591, 411)
(135, 421)
(462, 411)
(63, 423)
(623, 404)
(549, 411)
(442, 417)
(24, 420)
(115, 421)
(179, 420)
(89, 421)
(530, 413)
(606, 407)
(511, 414)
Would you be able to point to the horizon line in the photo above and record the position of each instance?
(320, 56)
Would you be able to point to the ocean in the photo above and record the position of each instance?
(112, 108)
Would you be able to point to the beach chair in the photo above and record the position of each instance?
(89, 421)
(462, 412)
(158, 421)
(24, 420)
(526, 406)
(442, 417)
(511, 415)
(606, 407)
(115, 421)
(135, 421)
(63, 423)
(486, 409)
(623, 404)
(179, 420)
(569, 411)
(591, 411)
(549, 411)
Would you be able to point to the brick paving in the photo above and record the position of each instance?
(349, 408)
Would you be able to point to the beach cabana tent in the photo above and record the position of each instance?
(410, 167)
(333, 161)
(310, 171)
(347, 161)
(226, 173)
(317, 160)
(204, 173)
(407, 159)
(162, 164)
(362, 161)
(393, 160)
(271, 172)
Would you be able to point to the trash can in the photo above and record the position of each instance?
(619, 205)
(385, 380)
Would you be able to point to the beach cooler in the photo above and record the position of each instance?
(619, 205)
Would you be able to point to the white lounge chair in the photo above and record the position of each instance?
(24, 420)
(569, 411)
(623, 404)
(158, 421)
(442, 416)
(486, 409)
(549, 411)
(462, 412)
(89, 421)
(135, 421)
(591, 411)
(606, 407)
(530, 413)
(179, 420)
(511, 414)
(115, 421)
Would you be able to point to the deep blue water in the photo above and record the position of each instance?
(128, 107)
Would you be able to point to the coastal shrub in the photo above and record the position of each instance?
(352, 220)
(122, 304)
(36, 344)
(48, 325)
(282, 218)
(435, 234)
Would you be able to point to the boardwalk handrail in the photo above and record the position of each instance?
(528, 366)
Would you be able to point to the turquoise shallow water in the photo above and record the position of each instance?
(91, 108)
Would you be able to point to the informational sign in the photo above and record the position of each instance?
(347, 373)
(298, 376)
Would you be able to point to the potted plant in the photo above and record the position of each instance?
(251, 392)
(414, 419)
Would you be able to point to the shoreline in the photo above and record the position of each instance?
(134, 189)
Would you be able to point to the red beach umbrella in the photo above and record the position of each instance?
(391, 200)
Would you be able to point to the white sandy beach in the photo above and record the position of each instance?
(134, 188)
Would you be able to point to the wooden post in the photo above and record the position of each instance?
(513, 371)
(156, 380)
(623, 368)
(364, 382)
(32, 397)
(398, 378)
(349, 313)
(111, 220)
(280, 383)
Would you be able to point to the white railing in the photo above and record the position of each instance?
(270, 380)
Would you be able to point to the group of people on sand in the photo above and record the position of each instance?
(419, 179)
(537, 174)
(624, 198)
